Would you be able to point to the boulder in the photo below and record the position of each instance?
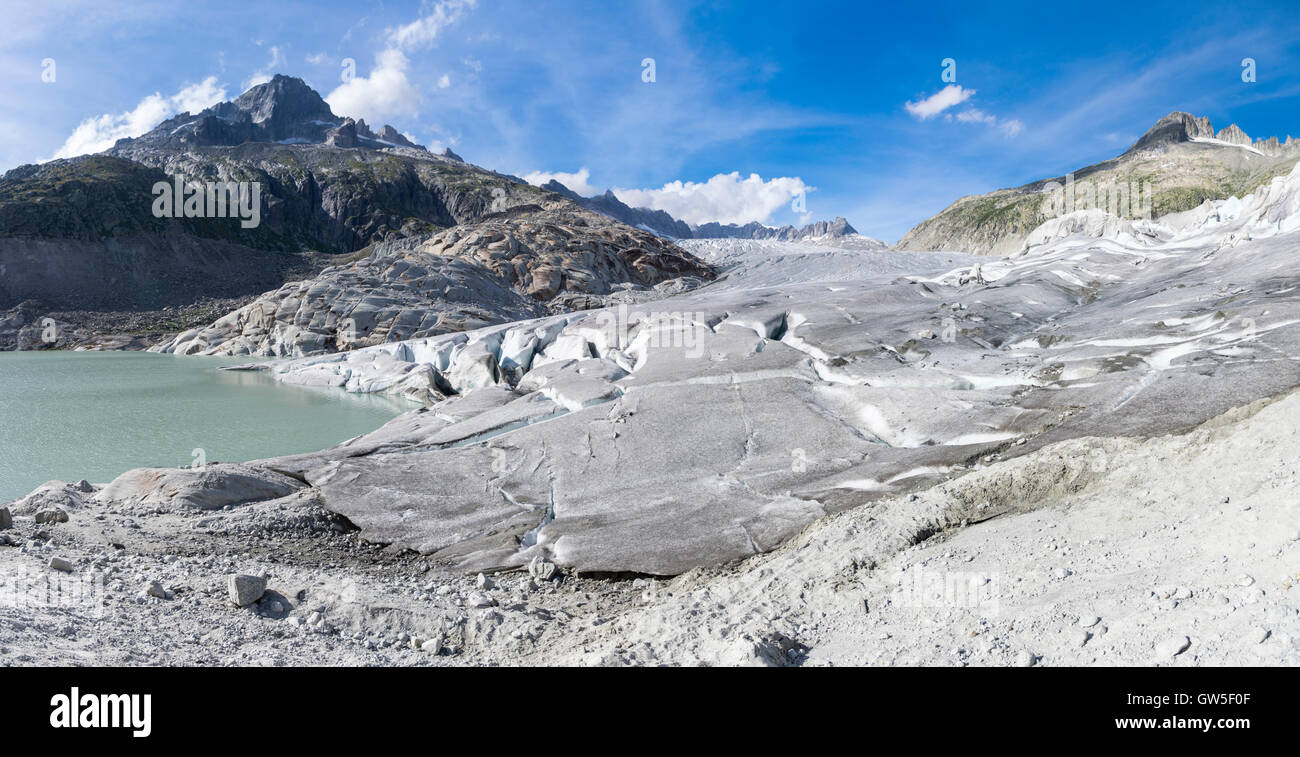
(244, 590)
(210, 487)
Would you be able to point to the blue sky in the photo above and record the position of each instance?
(810, 95)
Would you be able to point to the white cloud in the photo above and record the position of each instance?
(579, 182)
(317, 58)
(387, 91)
(726, 198)
(1010, 127)
(953, 94)
(444, 81)
(424, 30)
(101, 132)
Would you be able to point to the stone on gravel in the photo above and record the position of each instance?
(1172, 647)
(6, 518)
(244, 590)
(479, 599)
(541, 569)
(155, 589)
(61, 564)
(52, 516)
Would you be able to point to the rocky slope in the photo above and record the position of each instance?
(1180, 161)
(522, 263)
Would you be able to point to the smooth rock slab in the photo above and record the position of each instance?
(211, 487)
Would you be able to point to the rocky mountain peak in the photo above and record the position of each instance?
(1175, 127)
(285, 110)
(286, 99)
(1234, 134)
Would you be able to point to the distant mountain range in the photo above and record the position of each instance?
(663, 224)
(1178, 164)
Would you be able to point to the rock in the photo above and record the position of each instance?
(51, 516)
(244, 590)
(481, 581)
(432, 646)
(478, 599)
(540, 569)
(1173, 647)
(51, 495)
(83, 486)
(61, 564)
(1026, 659)
(1088, 621)
(6, 518)
(1245, 580)
(155, 589)
(1258, 635)
(211, 487)
(1063, 573)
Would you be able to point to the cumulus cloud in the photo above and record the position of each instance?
(444, 81)
(387, 91)
(317, 58)
(101, 132)
(726, 198)
(953, 94)
(579, 182)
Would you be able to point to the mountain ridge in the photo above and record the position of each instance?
(1180, 160)
(662, 223)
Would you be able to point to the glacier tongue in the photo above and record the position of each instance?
(715, 424)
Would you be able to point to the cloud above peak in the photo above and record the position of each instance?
(579, 182)
(726, 197)
(388, 91)
(99, 133)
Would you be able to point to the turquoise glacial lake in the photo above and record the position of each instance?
(95, 415)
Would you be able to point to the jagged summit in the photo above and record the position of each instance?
(283, 99)
(1175, 127)
(1180, 127)
(284, 110)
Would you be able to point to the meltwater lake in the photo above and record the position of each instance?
(95, 415)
